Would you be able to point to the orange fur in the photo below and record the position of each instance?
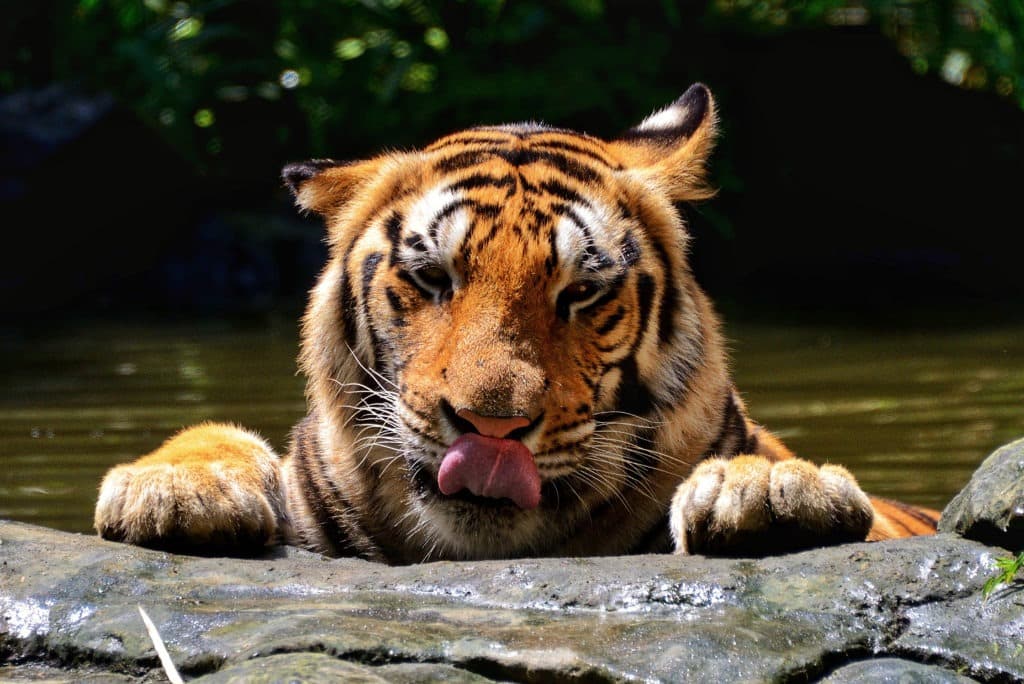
(530, 278)
(208, 485)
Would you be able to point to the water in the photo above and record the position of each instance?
(910, 413)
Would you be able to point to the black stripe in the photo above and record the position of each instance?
(668, 312)
(415, 241)
(538, 219)
(624, 210)
(347, 307)
(567, 165)
(486, 209)
(569, 147)
(394, 300)
(393, 230)
(369, 270)
(732, 436)
(563, 191)
(753, 443)
(669, 298)
(462, 160)
(483, 180)
(560, 209)
(448, 210)
(611, 293)
(347, 304)
(645, 299)
(551, 261)
(612, 321)
(305, 449)
(915, 513)
(563, 302)
(469, 140)
(570, 167)
(483, 242)
(633, 396)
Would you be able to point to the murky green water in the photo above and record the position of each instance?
(911, 413)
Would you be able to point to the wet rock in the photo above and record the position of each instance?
(990, 508)
(69, 603)
(295, 667)
(893, 671)
(305, 667)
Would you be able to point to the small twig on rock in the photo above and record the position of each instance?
(161, 650)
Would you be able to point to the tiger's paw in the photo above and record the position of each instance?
(209, 487)
(751, 506)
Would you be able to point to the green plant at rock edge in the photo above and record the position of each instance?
(1008, 568)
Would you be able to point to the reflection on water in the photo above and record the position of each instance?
(911, 414)
(74, 404)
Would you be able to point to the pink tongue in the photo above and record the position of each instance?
(491, 467)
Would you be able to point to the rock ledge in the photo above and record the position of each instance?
(909, 610)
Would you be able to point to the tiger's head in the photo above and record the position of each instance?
(507, 341)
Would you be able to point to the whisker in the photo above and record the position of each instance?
(636, 449)
(614, 459)
(376, 375)
(642, 419)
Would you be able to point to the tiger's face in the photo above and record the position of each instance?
(506, 325)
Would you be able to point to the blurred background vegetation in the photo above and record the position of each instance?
(873, 147)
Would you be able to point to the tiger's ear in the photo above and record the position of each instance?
(673, 144)
(324, 186)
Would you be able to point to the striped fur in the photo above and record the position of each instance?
(529, 271)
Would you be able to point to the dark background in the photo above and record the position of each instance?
(871, 163)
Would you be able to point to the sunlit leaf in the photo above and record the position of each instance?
(350, 48)
(436, 38)
(204, 118)
(419, 77)
(401, 49)
(184, 29)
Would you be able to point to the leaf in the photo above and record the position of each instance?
(1008, 567)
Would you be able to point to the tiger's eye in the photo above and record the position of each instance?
(435, 275)
(580, 290)
(436, 280)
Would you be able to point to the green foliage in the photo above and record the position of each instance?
(1008, 567)
(237, 85)
(976, 44)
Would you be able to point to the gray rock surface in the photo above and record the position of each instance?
(990, 508)
(893, 671)
(910, 608)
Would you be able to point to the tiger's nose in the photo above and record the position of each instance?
(493, 426)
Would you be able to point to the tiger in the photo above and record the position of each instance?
(506, 355)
